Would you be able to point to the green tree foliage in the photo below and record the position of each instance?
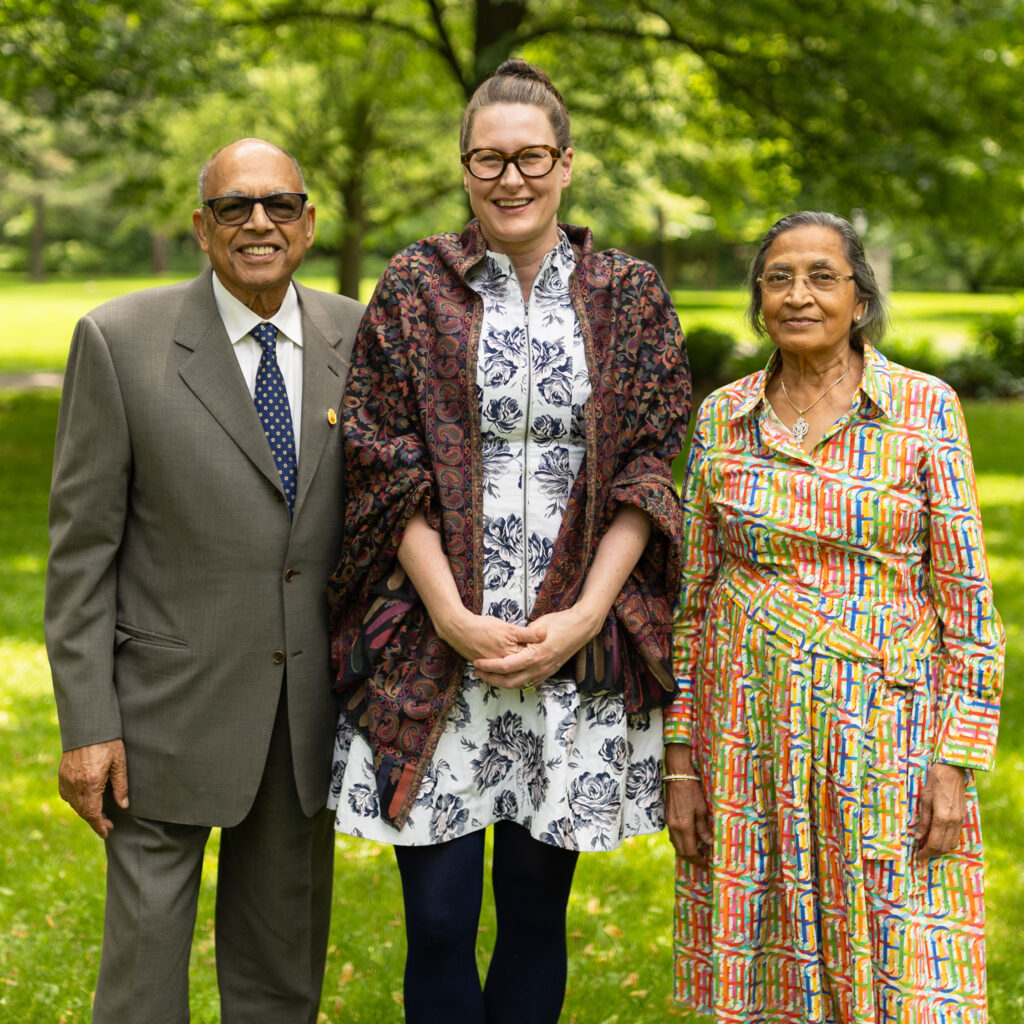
(698, 117)
(697, 122)
(373, 123)
(97, 61)
(81, 92)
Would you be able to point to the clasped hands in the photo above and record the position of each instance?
(517, 657)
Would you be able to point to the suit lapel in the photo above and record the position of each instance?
(323, 386)
(212, 373)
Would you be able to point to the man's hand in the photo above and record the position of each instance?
(84, 773)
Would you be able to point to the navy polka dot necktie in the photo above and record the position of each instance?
(275, 414)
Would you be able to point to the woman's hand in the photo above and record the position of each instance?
(473, 636)
(558, 636)
(563, 633)
(477, 637)
(942, 813)
(686, 811)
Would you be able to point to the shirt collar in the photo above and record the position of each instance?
(562, 259)
(463, 252)
(239, 319)
(564, 256)
(755, 396)
(875, 383)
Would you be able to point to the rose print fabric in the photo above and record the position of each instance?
(412, 429)
(577, 771)
(835, 636)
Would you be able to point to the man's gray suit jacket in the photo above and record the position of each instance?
(180, 594)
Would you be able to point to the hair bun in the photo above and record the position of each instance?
(517, 81)
(518, 67)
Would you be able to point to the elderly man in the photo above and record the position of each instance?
(195, 516)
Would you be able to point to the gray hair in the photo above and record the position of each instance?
(515, 81)
(204, 173)
(872, 324)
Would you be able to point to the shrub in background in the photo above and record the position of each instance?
(750, 361)
(993, 369)
(717, 358)
(974, 375)
(710, 352)
(919, 354)
(1002, 337)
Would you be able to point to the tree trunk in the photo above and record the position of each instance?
(496, 24)
(350, 244)
(665, 249)
(37, 265)
(669, 268)
(158, 253)
(880, 259)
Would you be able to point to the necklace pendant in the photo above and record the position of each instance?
(800, 429)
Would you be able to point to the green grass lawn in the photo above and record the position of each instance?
(51, 865)
(39, 318)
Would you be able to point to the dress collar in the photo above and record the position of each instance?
(465, 251)
(561, 260)
(875, 383)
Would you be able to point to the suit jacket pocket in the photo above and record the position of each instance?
(123, 632)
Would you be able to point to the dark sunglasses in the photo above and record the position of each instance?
(280, 207)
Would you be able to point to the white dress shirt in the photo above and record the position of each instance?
(239, 320)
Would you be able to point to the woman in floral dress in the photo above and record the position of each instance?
(503, 601)
(840, 666)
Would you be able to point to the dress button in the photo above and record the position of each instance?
(289, 575)
(277, 657)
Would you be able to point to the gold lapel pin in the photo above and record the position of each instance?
(332, 417)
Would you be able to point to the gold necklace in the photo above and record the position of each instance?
(801, 426)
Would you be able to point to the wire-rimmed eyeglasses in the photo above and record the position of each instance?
(818, 280)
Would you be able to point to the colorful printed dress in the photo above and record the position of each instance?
(575, 770)
(836, 635)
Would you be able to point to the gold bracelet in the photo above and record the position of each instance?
(680, 778)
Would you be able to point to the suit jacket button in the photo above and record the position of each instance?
(277, 657)
(290, 574)
(278, 496)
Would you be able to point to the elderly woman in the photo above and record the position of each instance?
(503, 604)
(839, 664)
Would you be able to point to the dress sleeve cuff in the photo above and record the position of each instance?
(677, 721)
(967, 733)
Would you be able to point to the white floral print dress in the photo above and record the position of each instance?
(573, 769)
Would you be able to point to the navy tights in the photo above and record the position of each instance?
(442, 888)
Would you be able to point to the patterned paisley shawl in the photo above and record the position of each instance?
(412, 442)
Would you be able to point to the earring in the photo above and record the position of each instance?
(857, 317)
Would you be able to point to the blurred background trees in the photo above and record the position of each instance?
(696, 124)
